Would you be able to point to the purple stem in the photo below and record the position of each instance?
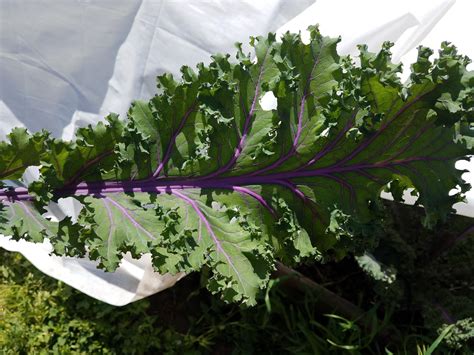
(410, 142)
(256, 196)
(382, 129)
(86, 166)
(172, 142)
(130, 217)
(216, 240)
(299, 127)
(248, 118)
(333, 144)
(163, 185)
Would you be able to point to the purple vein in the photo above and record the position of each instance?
(28, 212)
(321, 154)
(292, 150)
(381, 130)
(410, 143)
(129, 217)
(216, 240)
(200, 231)
(340, 169)
(112, 224)
(395, 139)
(248, 118)
(12, 209)
(414, 171)
(299, 129)
(164, 185)
(169, 149)
(256, 196)
(302, 105)
(370, 177)
(87, 165)
(429, 144)
(345, 185)
(294, 189)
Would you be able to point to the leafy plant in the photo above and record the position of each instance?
(40, 315)
(203, 175)
(430, 273)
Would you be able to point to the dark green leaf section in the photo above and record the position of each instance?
(22, 151)
(90, 157)
(202, 175)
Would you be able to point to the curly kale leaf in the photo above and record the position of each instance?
(202, 175)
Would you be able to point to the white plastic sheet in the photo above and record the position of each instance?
(55, 63)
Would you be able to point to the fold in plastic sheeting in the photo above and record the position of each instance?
(67, 64)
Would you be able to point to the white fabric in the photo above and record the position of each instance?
(66, 64)
(55, 63)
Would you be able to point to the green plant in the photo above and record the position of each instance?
(42, 315)
(427, 273)
(39, 315)
(203, 175)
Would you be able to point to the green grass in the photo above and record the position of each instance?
(39, 315)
